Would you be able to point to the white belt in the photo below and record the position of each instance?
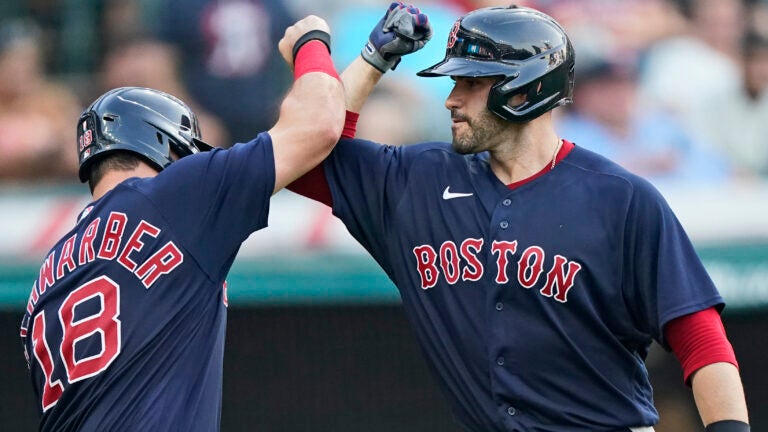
(642, 429)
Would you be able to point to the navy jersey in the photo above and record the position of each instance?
(125, 325)
(534, 306)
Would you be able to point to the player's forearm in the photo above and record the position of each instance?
(312, 113)
(719, 394)
(311, 120)
(316, 103)
(317, 93)
(359, 79)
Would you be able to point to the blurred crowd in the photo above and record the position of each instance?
(674, 90)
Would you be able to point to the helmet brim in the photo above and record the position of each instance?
(468, 67)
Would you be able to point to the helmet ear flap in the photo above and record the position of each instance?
(500, 100)
(541, 95)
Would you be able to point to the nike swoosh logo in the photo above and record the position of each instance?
(447, 194)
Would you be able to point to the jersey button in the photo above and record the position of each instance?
(504, 224)
(499, 306)
(511, 411)
(500, 361)
(507, 202)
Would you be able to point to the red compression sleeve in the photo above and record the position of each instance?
(699, 339)
(313, 185)
(350, 125)
(313, 56)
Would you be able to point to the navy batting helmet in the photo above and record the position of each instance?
(528, 49)
(146, 122)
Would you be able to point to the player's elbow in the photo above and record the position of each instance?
(328, 135)
(329, 120)
(327, 131)
(320, 104)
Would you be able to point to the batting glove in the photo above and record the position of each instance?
(402, 30)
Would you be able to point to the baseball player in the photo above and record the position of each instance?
(535, 273)
(124, 328)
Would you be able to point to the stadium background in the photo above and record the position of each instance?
(316, 339)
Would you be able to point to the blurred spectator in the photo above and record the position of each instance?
(37, 116)
(629, 25)
(229, 57)
(391, 115)
(607, 118)
(123, 20)
(616, 25)
(738, 121)
(684, 72)
(758, 13)
(416, 97)
(151, 63)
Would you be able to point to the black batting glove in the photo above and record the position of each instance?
(402, 30)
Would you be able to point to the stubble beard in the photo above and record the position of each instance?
(480, 133)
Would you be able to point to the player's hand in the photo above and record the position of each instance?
(296, 31)
(402, 30)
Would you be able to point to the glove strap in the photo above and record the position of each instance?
(375, 59)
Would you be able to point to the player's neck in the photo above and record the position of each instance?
(114, 177)
(526, 150)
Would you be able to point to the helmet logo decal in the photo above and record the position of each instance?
(86, 138)
(452, 36)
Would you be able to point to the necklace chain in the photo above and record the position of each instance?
(554, 154)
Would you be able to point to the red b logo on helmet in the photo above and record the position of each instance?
(86, 139)
(452, 36)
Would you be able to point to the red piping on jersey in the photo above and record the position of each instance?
(698, 340)
(561, 154)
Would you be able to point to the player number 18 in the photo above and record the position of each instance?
(104, 323)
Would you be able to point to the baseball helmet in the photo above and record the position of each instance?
(528, 49)
(143, 121)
